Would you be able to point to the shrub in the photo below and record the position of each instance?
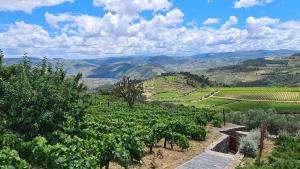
(182, 142)
(198, 133)
(216, 123)
(253, 119)
(10, 159)
(249, 143)
(201, 120)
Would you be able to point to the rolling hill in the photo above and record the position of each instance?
(269, 71)
(145, 67)
(175, 88)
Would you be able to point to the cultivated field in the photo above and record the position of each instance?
(260, 94)
(236, 99)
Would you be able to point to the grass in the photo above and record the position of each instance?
(261, 95)
(272, 89)
(174, 89)
(276, 94)
(246, 105)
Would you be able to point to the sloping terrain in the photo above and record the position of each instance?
(176, 89)
(270, 71)
(143, 67)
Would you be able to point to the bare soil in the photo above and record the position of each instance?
(171, 158)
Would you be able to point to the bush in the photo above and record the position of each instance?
(198, 133)
(201, 120)
(10, 159)
(253, 119)
(216, 123)
(249, 143)
(182, 142)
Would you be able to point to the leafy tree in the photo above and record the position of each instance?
(10, 158)
(129, 90)
(1, 58)
(39, 100)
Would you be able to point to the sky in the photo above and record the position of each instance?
(104, 28)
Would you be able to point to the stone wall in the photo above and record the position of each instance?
(222, 146)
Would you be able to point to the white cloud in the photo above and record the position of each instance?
(231, 22)
(210, 21)
(260, 27)
(122, 33)
(28, 5)
(132, 7)
(250, 3)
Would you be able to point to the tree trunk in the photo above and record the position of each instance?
(130, 104)
(151, 151)
(172, 145)
(107, 165)
(165, 143)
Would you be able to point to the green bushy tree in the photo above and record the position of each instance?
(129, 90)
(10, 159)
(38, 100)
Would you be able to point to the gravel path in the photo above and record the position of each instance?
(208, 160)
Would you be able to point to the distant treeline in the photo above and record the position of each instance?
(196, 80)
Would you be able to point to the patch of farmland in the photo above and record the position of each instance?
(260, 95)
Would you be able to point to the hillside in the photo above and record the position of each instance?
(175, 85)
(144, 67)
(118, 70)
(269, 71)
(176, 89)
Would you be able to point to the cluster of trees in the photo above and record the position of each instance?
(39, 100)
(196, 80)
(255, 117)
(35, 102)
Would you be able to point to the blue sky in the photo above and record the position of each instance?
(100, 28)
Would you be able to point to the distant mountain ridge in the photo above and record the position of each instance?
(268, 71)
(143, 67)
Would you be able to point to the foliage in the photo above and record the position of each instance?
(1, 57)
(285, 155)
(38, 100)
(253, 119)
(10, 159)
(249, 144)
(48, 120)
(129, 90)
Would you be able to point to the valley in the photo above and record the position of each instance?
(160, 122)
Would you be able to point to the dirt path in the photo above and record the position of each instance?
(253, 100)
(212, 159)
(211, 94)
(170, 159)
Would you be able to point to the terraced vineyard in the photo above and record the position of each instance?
(175, 90)
(262, 94)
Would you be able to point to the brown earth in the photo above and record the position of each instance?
(170, 159)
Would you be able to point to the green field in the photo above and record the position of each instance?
(272, 94)
(174, 90)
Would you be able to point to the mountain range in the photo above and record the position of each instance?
(143, 67)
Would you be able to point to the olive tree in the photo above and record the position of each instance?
(129, 90)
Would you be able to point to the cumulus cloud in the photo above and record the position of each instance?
(210, 21)
(132, 8)
(231, 22)
(250, 3)
(28, 5)
(119, 32)
(260, 27)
